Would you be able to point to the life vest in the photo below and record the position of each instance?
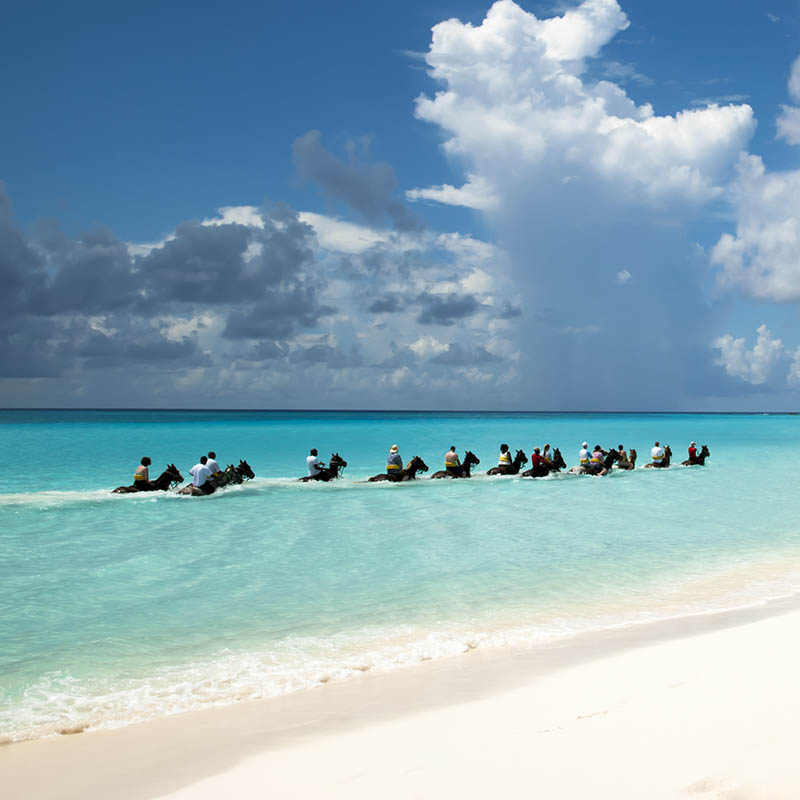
(597, 458)
(138, 476)
(450, 459)
(656, 458)
(584, 459)
(504, 460)
(393, 466)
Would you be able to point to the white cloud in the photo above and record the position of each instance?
(476, 193)
(794, 80)
(789, 119)
(514, 101)
(756, 366)
(623, 276)
(343, 237)
(762, 259)
(788, 123)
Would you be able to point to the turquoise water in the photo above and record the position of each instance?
(120, 608)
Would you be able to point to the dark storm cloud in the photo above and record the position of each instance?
(86, 304)
(446, 309)
(458, 356)
(278, 314)
(21, 267)
(325, 354)
(387, 304)
(94, 275)
(367, 188)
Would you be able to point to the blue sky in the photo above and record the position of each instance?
(536, 206)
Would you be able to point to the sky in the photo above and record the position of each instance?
(429, 205)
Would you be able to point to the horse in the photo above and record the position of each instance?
(556, 464)
(234, 475)
(470, 460)
(630, 463)
(328, 473)
(520, 459)
(664, 462)
(609, 458)
(230, 475)
(166, 480)
(408, 473)
(699, 459)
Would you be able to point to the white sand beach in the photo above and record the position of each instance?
(704, 707)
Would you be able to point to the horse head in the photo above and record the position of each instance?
(470, 459)
(174, 475)
(416, 465)
(520, 458)
(632, 456)
(245, 470)
(337, 461)
(704, 452)
(558, 460)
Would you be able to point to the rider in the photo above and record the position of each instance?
(200, 474)
(452, 463)
(584, 456)
(692, 453)
(657, 455)
(313, 463)
(537, 460)
(547, 455)
(596, 463)
(212, 464)
(393, 462)
(141, 478)
(623, 457)
(504, 460)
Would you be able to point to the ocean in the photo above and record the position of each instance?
(121, 608)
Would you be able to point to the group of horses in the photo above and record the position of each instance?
(612, 459)
(171, 477)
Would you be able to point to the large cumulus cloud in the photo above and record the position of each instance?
(584, 185)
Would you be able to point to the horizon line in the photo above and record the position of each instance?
(376, 410)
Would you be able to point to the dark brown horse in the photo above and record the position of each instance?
(329, 473)
(630, 463)
(664, 461)
(520, 459)
(556, 464)
(409, 473)
(699, 459)
(231, 475)
(610, 457)
(470, 460)
(166, 480)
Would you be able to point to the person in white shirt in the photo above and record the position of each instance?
(585, 456)
(657, 455)
(200, 476)
(212, 464)
(313, 463)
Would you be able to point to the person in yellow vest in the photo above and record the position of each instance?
(657, 454)
(141, 478)
(547, 455)
(504, 459)
(394, 464)
(584, 457)
(596, 463)
(452, 463)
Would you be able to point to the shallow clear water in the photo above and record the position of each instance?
(117, 608)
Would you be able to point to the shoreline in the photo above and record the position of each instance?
(200, 753)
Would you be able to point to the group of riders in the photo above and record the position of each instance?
(594, 461)
(207, 476)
